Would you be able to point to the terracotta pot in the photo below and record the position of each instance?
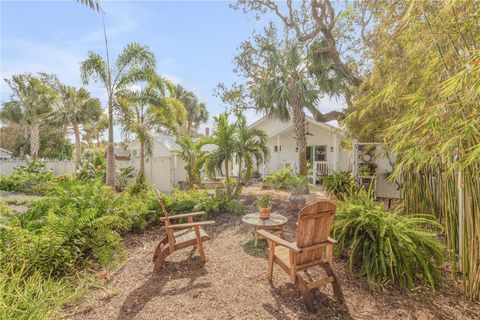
(265, 213)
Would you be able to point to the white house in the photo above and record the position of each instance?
(164, 168)
(324, 150)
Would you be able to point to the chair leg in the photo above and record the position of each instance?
(159, 248)
(199, 244)
(337, 289)
(271, 259)
(160, 260)
(305, 292)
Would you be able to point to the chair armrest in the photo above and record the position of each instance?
(332, 241)
(279, 241)
(183, 215)
(189, 225)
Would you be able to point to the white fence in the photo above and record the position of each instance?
(58, 167)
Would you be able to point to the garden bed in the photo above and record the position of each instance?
(233, 284)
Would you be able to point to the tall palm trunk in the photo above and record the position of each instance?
(34, 140)
(189, 126)
(227, 175)
(78, 146)
(239, 177)
(142, 157)
(299, 124)
(110, 174)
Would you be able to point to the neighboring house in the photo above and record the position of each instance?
(324, 150)
(5, 154)
(164, 168)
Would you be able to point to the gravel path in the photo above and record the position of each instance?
(233, 285)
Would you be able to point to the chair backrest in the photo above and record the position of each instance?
(313, 228)
(164, 208)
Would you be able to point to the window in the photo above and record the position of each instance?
(134, 152)
(275, 148)
(320, 153)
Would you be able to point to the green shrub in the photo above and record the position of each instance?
(32, 297)
(93, 168)
(337, 184)
(29, 179)
(280, 178)
(388, 245)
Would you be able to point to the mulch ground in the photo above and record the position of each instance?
(233, 284)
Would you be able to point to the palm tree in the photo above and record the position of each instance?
(224, 139)
(92, 4)
(93, 130)
(191, 152)
(196, 111)
(134, 64)
(32, 98)
(74, 108)
(284, 89)
(251, 148)
(147, 110)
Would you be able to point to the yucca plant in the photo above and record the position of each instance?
(388, 246)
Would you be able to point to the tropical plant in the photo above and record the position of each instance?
(337, 183)
(422, 99)
(32, 98)
(280, 178)
(224, 139)
(93, 168)
(74, 108)
(251, 150)
(296, 184)
(133, 65)
(29, 179)
(123, 176)
(147, 110)
(191, 152)
(264, 201)
(196, 111)
(389, 245)
(92, 4)
(94, 130)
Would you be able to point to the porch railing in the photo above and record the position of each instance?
(321, 168)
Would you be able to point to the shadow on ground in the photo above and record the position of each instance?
(155, 284)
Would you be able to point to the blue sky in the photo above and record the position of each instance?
(193, 41)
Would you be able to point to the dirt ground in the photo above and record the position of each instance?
(233, 284)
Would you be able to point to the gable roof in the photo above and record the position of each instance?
(289, 124)
(5, 151)
(167, 140)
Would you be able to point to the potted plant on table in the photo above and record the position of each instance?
(264, 204)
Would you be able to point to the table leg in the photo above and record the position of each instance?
(256, 237)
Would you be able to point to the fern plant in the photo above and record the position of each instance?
(388, 245)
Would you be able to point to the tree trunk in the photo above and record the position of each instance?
(239, 177)
(299, 124)
(78, 146)
(189, 126)
(110, 174)
(34, 140)
(227, 175)
(142, 157)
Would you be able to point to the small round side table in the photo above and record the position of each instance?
(274, 223)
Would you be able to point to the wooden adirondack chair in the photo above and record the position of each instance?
(313, 227)
(189, 234)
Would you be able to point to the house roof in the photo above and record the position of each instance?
(5, 151)
(290, 124)
(167, 140)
